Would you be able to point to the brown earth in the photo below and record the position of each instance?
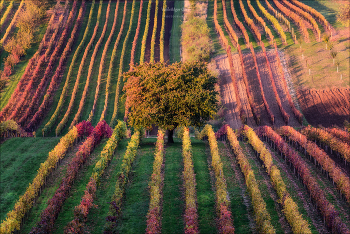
(325, 107)
(228, 97)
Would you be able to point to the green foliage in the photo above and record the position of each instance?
(170, 95)
(195, 41)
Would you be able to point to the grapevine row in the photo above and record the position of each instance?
(262, 216)
(121, 62)
(225, 217)
(296, 112)
(1, 5)
(249, 93)
(81, 211)
(323, 136)
(340, 134)
(145, 33)
(228, 25)
(260, 20)
(53, 38)
(189, 177)
(38, 116)
(25, 202)
(12, 25)
(40, 89)
(306, 16)
(267, 107)
(134, 43)
(50, 214)
(36, 73)
(162, 31)
(111, 62)
(6, 13)
(153, 39)
(278, 100)
(92, 62)
(239, 23)
(332, 219)
(103, 58)
(54, 116)
(116, 203)
(64, 120)
(273, 20)
(327, 164)
(312, 11)
(229, 55)
(294, 17)
(278, 15)
(155, 185)
(290, 208)
(250, 22)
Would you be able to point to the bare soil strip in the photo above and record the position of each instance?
(255, 87)
(277, 76)
(269, 94)
(325, 107)
(242, 90)
(228, 97)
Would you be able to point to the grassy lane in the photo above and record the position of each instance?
(77, 190)
(205, 194)
(136, 200)
(213, 35)
(97, 216)
(94, 75)
(272, 206)
(241, 208)
(115, 71)
(64, 77)
(175, 34)
(20, 159)
(295, 187)
(173, 203)
(52, 185)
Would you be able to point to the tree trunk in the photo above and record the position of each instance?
(170, 134)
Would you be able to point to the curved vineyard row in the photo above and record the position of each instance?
(82, 210)
(162, 31)
(262, 216)
(243, 116)
(295, 18)
(38, 116)
(103, 58)
(296, 112)
(12, 25)
(121, 62)
(326, 208)
(290, 208)
(155, 24)
(334, 172)
(273, 20)
(25, 203)
(340, 134)
(64, 120)
(92, 62)
(145, 33)
(49, 215)
(55, 115)
(239, 23)
(250, 22)
(227, 24)
(278, 99)
(35, 101)
(134, 43)
(322, 136)
(306, 16)
(123, 175)
(6, 13)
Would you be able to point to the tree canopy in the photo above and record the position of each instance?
(180, 94)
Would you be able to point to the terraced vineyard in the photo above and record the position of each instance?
(273, 158)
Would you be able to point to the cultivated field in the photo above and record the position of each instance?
(274, 159)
